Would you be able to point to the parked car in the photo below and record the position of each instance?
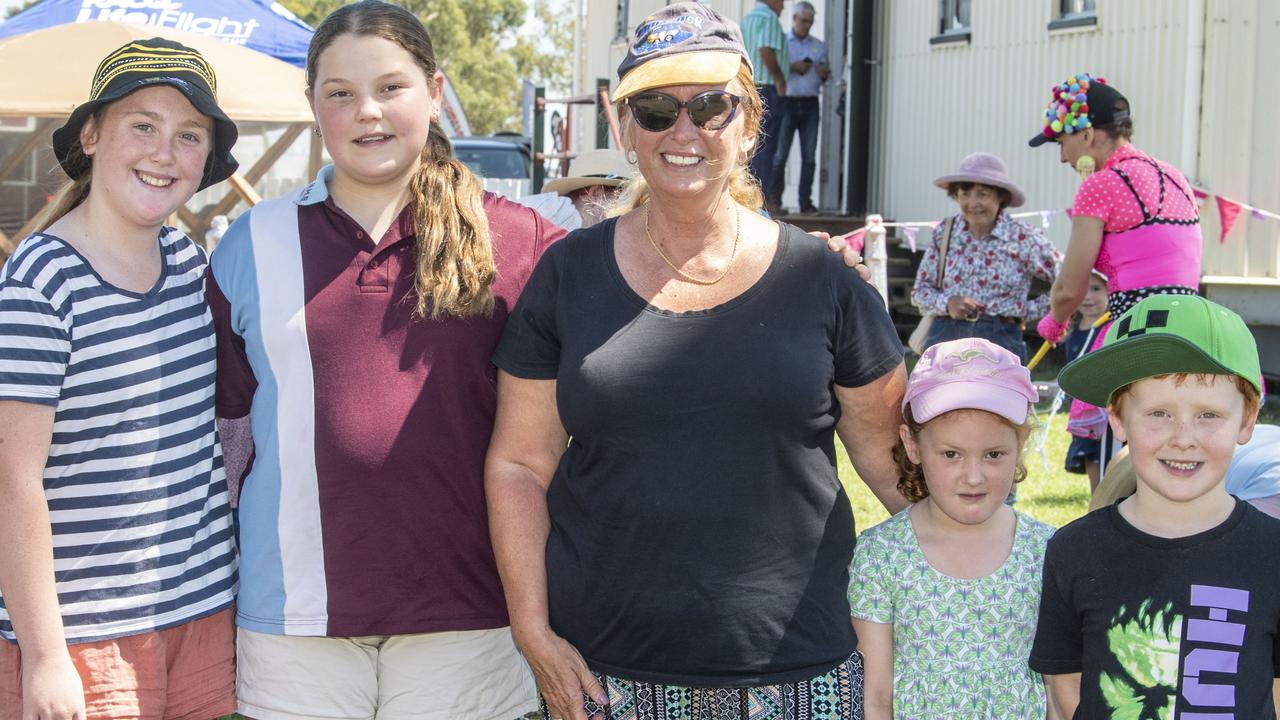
(504, 162)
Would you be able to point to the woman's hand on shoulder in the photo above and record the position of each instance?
(562, 675)
(852, 256)
(52, 690)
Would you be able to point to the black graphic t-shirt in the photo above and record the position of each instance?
(1161, 628)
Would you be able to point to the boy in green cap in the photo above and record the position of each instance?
(1167, 604)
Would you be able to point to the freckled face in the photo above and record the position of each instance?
(149, 151)
(1182, 437)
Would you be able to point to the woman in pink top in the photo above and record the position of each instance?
(1135, 219)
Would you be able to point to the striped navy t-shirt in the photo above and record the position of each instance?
(138, 504)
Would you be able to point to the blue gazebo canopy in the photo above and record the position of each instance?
(257, 24)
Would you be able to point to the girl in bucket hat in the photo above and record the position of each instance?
(976, 275)
(1135, 218)
(120, 570)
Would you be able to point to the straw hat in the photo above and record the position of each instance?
(592, 167)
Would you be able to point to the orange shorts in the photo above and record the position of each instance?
(184, 672)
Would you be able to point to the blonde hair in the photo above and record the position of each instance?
(911, 481)
(743, 187)
(455, 265)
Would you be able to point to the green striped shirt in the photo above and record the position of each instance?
(760, 28)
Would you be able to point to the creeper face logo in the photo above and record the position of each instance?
(1155, 319)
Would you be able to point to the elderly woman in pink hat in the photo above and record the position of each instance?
(975, 278)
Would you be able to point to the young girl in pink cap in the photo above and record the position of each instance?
(944, 593)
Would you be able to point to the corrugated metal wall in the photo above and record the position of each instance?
(1195, 73)
(1239, 146)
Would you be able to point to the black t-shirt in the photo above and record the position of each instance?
(1164, 628)
(699, 534)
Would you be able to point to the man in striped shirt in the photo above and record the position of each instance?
(767, 45)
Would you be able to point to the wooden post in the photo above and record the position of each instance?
(244, 189)
(37, 138)
(539, 129)
(602, 113)
(255, 173)
(876, 256)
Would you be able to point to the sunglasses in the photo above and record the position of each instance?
(711, 110)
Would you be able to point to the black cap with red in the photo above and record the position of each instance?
(1080, 102)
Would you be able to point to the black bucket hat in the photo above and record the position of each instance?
(143, 63)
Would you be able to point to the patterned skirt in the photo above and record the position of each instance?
(836, 695)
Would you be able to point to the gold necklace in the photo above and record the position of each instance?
(737, 235)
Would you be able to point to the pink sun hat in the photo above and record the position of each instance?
(984, 169)
(969, 374)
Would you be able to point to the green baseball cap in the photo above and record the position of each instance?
(1164, 334)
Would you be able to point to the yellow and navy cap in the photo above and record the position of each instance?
(684, 43)
(143, 63)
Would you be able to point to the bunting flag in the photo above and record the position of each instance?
(910, 233)
(856, 239)
(1228, 211)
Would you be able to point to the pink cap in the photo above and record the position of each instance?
(969, 374)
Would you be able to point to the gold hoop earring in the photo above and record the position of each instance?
(632, 157)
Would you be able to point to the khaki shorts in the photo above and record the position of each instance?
(467, 675)
(181, 673)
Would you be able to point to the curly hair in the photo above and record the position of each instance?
(911, 481)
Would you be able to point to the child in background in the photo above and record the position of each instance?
(1167, 604)
(944, 593)
(117, 563)
(1082, 454)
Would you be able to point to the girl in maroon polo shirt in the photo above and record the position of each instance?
(356, 320)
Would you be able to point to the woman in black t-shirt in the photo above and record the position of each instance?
(671, 533)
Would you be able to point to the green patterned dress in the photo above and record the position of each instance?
(960, 647)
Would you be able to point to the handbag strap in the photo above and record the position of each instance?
(942, 249)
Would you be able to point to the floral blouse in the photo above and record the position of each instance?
(995, 271)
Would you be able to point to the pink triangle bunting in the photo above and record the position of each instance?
(910, 233)
(856, 239)
(1228, 211)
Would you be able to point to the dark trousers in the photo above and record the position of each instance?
(766, 146)
(800, 114)
(1001, 332)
